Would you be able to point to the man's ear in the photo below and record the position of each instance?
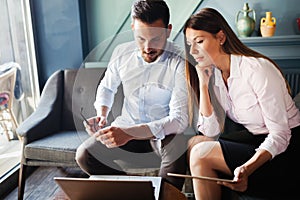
(132, 26)
(169, 30)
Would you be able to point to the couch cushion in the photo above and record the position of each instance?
(60, 147)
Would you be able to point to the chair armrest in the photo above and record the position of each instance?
(46, 119)
(297, 100)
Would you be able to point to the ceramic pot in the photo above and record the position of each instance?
(245, 24)
(268, 25)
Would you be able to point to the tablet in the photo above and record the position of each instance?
(202, 177)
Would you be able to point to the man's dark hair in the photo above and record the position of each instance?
(148, 11)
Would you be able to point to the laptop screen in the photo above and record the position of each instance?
(110, 187)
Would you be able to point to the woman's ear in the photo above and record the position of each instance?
(221, 37)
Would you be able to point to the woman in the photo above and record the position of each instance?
(232, 83)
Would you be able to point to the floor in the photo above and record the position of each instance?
(41, 186)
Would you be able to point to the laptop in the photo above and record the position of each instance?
(110, 187)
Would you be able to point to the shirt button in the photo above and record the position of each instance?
(80, 90)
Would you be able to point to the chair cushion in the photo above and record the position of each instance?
(60, 147)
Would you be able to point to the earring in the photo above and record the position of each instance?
(221, 43)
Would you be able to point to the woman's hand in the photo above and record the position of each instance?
(240, 178)
(204, 74)
(242, 173)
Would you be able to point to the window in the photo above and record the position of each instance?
(16, 45)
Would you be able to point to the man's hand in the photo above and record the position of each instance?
(91, 125)
(102, 121)
(112, 136)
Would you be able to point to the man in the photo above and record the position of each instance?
(154, 113)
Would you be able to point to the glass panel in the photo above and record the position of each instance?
(104, 18)
(108, 29)
(16, 49)
(180, 11)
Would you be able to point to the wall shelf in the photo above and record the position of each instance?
(276, 47)
(285, 51)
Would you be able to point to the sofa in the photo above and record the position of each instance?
(52, 133)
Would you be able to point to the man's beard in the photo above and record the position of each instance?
(150, 56)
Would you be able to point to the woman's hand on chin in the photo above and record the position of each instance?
(204, 74)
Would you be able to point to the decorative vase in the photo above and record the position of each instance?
(245, 25)
(268, 25)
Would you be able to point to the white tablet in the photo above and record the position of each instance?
(202, 177)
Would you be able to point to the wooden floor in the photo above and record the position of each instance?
(41, 186)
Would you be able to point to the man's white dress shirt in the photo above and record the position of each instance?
(155, 93)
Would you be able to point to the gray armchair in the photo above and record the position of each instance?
(53, 132)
